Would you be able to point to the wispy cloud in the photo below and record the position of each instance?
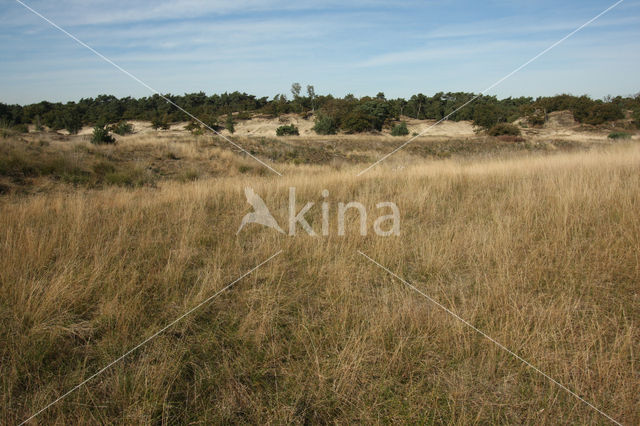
(361, 46)
(510, 26)
(112, 12)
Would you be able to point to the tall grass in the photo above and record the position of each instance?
(541, 253)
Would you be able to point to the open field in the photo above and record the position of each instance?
(39, 161)
(535, 242)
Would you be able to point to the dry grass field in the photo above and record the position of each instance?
(539, 248)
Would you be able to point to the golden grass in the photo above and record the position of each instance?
(540, 252)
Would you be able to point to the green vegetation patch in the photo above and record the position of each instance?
(619, 135)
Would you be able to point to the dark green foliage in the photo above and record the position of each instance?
(584, 109)
(325, 125)
(229, 124)
(487, 116)
(349, 113)
(160, 123)
(619, 135)
(101, 136)
(601, 113)
(377, 112)
(122, 128)
(210, 121)
(71, 120)
(502, 129)
(400, 129)
(534, 116)
(358, 122)
(289, 130)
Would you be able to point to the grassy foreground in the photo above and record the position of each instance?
(541, 252)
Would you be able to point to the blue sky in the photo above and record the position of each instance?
(360, 47)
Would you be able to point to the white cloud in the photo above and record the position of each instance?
(101, 12)
(510, 26)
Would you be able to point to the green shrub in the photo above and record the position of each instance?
(325, 125)
(72, 122)
(229, 125)
(619, 135)
(211, 121)
(501, 129)
(287, 130)
(376, 111)
(400, 130)
(122, 128)
(536, 117)
(486, 115)
(358, 122)
(101, 136)
(603, 112)
(160, 123)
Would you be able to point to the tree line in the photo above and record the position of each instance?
(348, 114)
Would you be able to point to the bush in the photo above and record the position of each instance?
(287, 130)
(377, 112)
(101, 136)
(501, 129)
(601, 113)
(486, 115)
(536, 117)
(358, 122)
(122, 128)
(160, 123)
(619, 135)
(325, 125)
(72, 122)
(229, 125)
(400, 130)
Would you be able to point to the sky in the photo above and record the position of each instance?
(361, 47)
